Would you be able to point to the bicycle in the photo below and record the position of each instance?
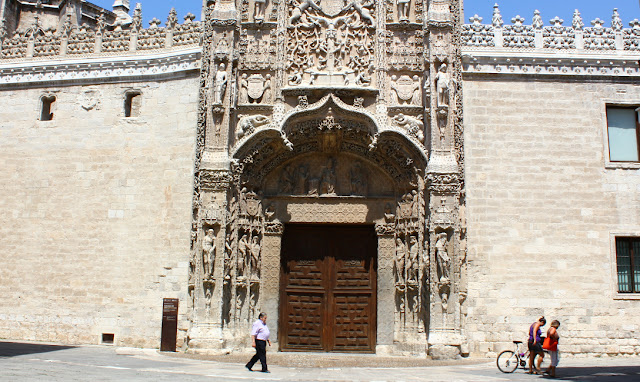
(508, 360)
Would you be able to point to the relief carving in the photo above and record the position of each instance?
(414, 126)
(358, 179)
(331, 49)
(248, 124)
(406, 90)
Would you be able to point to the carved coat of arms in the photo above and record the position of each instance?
(405, 87)
(253, 204)
(255, 86)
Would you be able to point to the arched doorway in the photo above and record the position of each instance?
(328, 172)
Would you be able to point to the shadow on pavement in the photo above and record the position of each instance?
(13, 349)
(600, 374)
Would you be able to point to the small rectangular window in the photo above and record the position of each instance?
(107, 338)
(628, 264)
(46, 107)
(132, 104)
(624, 134)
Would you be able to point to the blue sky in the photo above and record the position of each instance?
(590, 9)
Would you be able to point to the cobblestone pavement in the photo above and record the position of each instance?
(45, 362)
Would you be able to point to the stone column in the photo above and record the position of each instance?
(269, 300)
(386, 289)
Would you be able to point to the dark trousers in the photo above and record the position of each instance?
(261, 354)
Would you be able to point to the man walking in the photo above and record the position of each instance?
(259, 340)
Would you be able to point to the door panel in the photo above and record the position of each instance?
(328, 288)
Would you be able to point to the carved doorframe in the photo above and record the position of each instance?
(331, 128)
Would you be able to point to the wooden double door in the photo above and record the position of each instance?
(328, 288)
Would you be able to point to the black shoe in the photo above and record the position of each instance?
(248, 368)
(265, 371)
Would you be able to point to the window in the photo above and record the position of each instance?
(132, 103)
(107, 338)
(624, 134)
(628, 261)
(46, 107)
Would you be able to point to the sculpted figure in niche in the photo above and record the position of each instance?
(266, 92)
(258, 12)
(413, 259)
(403, 10)
(255, 256)
(443, 85)
(328, 179)
(401, 254)
(389, 216)
(301, 180)
(358, 179)
(243, 248)
(243, 97)
(444, 261)
(220, 84)
(208, 253)
(286, 182)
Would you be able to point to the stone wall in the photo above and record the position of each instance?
(543, 205)
(96, 211)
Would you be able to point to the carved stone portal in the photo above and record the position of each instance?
(332, 110)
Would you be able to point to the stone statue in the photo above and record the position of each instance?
(287, 180)
(413, 259)
(403, 10)
(389, 216)
(266, 92)
(301, 180)
(358, 180)
(243, 247)
(444, 261)
(255, 256)
(208, 253)
(328, 179)
(220, 84)
(258, 13)
(401, 255)
(243, 97)
(270, 212)
(443, 85)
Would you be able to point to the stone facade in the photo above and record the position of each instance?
(166, 162)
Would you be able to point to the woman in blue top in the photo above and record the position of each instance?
(535, 343)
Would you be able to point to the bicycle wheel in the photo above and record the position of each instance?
(507, 361)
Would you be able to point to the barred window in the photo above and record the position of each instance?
(624, 133)
(628, 261)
